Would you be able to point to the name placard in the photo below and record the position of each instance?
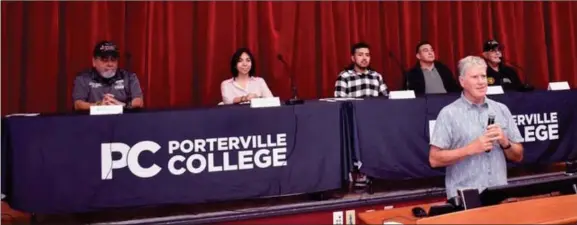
(407, 94)
(106, 109)
(558, 86)
(495, 90)
(264, 102)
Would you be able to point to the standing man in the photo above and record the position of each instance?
(359, 80)
(497, 72)
(475, 154)
(429, 76)
(104, 83)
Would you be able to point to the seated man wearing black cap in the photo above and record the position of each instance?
(104, 83)
(497, 72)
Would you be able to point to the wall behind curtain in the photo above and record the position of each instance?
(181, 50)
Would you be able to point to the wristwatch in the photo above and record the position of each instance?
(506, 147)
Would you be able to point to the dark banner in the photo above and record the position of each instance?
(62, 164)
(391, 138)
(394, 134)
(548, 123)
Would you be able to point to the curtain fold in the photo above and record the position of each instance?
(181, 50)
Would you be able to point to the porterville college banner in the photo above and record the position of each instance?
(548, 124)
(84, 163)
(394, 134)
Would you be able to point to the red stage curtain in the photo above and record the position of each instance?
(181, 50)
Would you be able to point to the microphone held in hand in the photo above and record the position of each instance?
(490, 121)
(295, 99)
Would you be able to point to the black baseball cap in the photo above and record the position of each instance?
(105, 49)
(491, 45)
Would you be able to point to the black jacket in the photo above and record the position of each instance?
(415, 80)
(506, 77)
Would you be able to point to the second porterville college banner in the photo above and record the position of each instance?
(548, 123)
(394, 134)
(64, 164)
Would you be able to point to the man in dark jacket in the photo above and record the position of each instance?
(497, 72)
(429, 76)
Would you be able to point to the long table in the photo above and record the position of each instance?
(65, 164)
(550, 210)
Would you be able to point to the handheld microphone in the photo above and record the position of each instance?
(490, 121)
(398, 62)
(295, 99)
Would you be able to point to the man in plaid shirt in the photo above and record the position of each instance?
(359, 80)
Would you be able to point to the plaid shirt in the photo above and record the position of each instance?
(351, 84)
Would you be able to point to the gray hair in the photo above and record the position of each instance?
(469, 61)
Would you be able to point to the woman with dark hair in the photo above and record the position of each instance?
(243, 86)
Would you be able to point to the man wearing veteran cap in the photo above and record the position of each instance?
(105, 83)
(497, 72)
